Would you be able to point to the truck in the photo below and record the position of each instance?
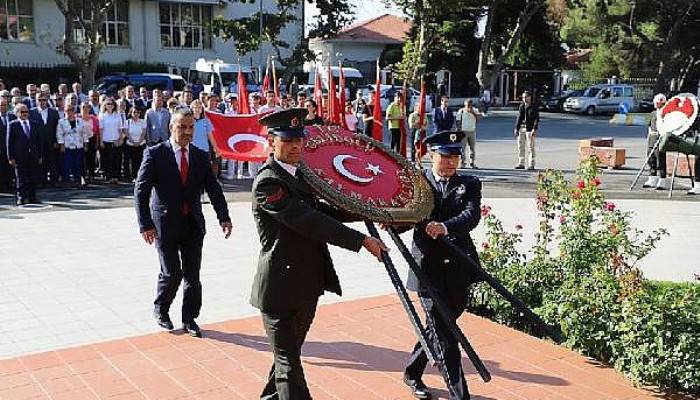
(221, 77)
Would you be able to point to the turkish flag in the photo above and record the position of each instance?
(332, 110)
(243, 106)
(378, 121)
(420, 146)
(240, 137)
(341, 101)
(318, 93)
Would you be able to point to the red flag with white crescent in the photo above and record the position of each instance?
(378, 120)
(318, 93)
(266, 80)
(332, 107)
(342, 100)
(240, 137)
(420, 146)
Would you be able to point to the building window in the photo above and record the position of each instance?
(16, 20)
(184, 26)
(115, 30)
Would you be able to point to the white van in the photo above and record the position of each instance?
(353, 78)
(216, 75)
(599, 99)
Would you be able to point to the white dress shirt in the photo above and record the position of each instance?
(178, 152)
(292, 169)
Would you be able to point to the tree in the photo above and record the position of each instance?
(333, 16)
(86, 17)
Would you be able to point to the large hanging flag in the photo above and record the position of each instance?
(239, 137)
(243, 106)
(342, 100)
(318, 92)
(378, 121)
(332, 107)
(402, 125)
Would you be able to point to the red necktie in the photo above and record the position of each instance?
(184, 170)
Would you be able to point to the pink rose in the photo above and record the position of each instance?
(518, 227)
(485, 245)
(609, 206)
(485, 210)
(562, 219)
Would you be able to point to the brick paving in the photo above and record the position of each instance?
(355, 350)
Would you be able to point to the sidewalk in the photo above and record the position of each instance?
(355, 350)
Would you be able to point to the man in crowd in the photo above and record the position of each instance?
(301, 98)
(46, 119)
(395, 115)
(657, 162)
(143, 103)
(30, 100)
(24, 154)
(467, 118)
(63, 90)
(6, 173)
(442, 116)
(174, 196)
(94, 101)
(232, 105)
(186, 97)
(525, 131)
(157, 120)
(270, 105)
(295, 227)
(456, 214)
(78, 92)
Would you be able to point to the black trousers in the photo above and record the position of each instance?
(91, 158)
(286, 332)
(657, 162)
(181, 259)
(445, 344)
(27, 173)
(110, 158)
(395, 139)
(6, 171)
(133, 156)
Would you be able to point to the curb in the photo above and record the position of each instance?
(630, 119)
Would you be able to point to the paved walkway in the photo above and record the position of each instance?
(355, 350)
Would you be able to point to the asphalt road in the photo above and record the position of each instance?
(557, 148)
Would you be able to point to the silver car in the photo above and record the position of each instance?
(600, 99)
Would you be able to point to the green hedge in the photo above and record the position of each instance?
(582, 276)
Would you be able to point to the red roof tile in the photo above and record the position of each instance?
(387, 28)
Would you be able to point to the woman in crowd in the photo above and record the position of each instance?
(91, 128)
(172, 103)
(312, 118)
(135, 142)
(71, 138)
(123, 109)
(350, 118)
(203, 136)
(111, 130)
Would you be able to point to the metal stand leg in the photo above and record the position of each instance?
(673, 175)
(644, 165)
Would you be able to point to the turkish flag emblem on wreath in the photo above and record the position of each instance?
(360, 175)
(240, 137)
(678, 114)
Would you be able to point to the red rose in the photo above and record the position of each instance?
(485, 245)
(609, 206)
(595, 181)
(562, 219)
(581, 184)
(576, 194)
(518, 227)
(485, 210)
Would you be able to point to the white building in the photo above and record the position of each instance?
(150, 31)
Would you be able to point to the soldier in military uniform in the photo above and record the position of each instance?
(457, 211)
(294, 267)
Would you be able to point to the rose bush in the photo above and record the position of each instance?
(582, 276)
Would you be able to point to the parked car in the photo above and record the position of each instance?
(600, 99)
(556, 103)
(221, 77)
(112, 84)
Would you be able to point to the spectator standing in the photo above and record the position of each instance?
(30, 99)
(395, 115)
(14, 102)
(47, 121)
(157, 121)
(368, 114)
(301, 98)
(71, 138)
(350, 118)
(203, 136)
(123, 109)
(657, 162)
(270, 105)
(135, 142)
(442, 116)
(63, 90)
(486, 100)
(467, 118)
(293, 87)
(6, 173)
(94, 102)
(78, 92)
(416, 128)
(143, 102)
(92, 123)
(312, 117)
(186, 97)
(525, 131)
(111, 128)
(24, 154)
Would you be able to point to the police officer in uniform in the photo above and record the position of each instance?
(457, 211)
(294, 267)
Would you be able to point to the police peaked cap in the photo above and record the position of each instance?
(286, 123)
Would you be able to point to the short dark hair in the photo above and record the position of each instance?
(272, 92)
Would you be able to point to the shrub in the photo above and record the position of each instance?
(582, 276)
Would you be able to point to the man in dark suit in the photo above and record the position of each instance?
(46, 119)
(6, 172)
(442, 117)
(457, 212)
(24, 154)
(30, 100)
(172, 177)
(294, 267)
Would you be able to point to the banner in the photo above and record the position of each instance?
(240, 137)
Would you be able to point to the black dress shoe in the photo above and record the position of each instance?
(163, 320)
(192, 329)
(418, 388)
